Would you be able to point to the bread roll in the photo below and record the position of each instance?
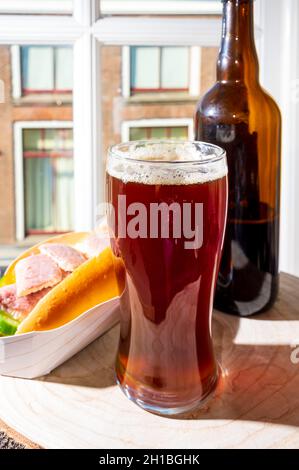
(91, 283)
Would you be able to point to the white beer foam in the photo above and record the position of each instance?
(148, 164)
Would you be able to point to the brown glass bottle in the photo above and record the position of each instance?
(238, 115)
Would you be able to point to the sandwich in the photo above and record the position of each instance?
(56, 281)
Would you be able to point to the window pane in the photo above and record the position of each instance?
(37, 68)
(175, 67)
(32, 139)
(158, 133)
(38, 194)
(64, 68)
(138, 133)
(179, 133)
(63, 190)
(50, 139)
(145, 67)
(46, 69)
(48, 180)
(63, 139)
(58, 139)
(159, 68)
(49, 194)
(47, 139)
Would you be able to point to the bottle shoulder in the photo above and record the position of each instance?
(272, 104)
(230, 100)
(224, 99)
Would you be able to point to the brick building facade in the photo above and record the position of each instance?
(27, 108)
(117, 110)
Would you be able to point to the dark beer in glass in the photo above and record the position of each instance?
(167, 218)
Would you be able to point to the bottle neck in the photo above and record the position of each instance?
(237, 59)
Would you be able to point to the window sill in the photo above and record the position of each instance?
(63, 99)
(161, 97)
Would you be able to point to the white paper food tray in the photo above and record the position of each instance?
(33, 354)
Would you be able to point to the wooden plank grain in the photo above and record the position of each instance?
(256, 404)
(10, 439)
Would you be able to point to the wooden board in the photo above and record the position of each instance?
(10, 439)
(256, 404)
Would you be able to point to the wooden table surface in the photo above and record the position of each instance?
(256, 404)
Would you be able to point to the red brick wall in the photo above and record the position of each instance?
(7, 220)
(42, 113)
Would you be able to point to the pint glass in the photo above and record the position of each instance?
(166, 215)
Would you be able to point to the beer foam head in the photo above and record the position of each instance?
(168, 163)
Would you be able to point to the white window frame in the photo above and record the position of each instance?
(280, 76)
(16, 74)
(87, 31)
(19, 126)
(62, 7)
(132, 7)
(194, 71)
(126, 126)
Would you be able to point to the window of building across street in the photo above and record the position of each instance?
(48, 180)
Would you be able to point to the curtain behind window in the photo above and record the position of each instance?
(48, 178)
